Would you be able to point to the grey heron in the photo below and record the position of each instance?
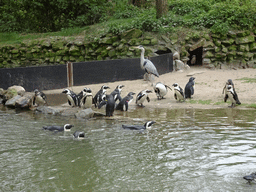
(146, 64)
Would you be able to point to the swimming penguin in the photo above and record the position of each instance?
(189, 88)
(100, 95)
(123, 104)
(230, 82)
(178, 92)
(142, 96)
(231, 96)
(117, 93)
(73, 99)
(85, 98)
(79, 135)
(110, 105)
(39, 98)
(146, 126)
(161, 90)
(66, 127)
(250, 177)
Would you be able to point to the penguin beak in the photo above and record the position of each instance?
(148, 91)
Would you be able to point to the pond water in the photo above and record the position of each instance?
(186, 150)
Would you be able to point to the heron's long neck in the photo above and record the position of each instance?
(142, 57)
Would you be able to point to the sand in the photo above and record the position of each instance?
(208, 87)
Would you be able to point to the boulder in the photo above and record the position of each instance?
(49, 110)
(24, 101)
(11, 102)
(132, 33)
(85, 114)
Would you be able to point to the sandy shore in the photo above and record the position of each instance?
(208, 87)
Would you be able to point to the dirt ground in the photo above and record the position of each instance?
(209, 86)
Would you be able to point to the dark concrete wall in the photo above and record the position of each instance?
(55, 77)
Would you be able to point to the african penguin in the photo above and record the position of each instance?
(178, 92)
(230, 82)
(100, 95)
(117, 93)
(79, 135)
(66, 127)
(146, 126)
(85, 98)
(231, 96)
(110, 105)
(73, 99)
(250, 177)
(161, 90)
(39, 98)
(142, 96)
(123, 104)
(189, 88)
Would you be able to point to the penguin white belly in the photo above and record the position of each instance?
(162, 89)
(231, 97)
(39, 100)
(141, 100)
(88, 102)
(179, 96)
(71, 100)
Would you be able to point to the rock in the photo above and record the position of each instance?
(49, 110)
(243, 40)
(198, 44)
(11, 102)
(176, 55)
(132, 33)
(24, 101)
(85, 114)
(179, 65)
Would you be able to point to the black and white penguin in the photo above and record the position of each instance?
(146, 126)
(161, 90)
(231, 95)
(85, 98)
(100, 95)
(39, 98)
(73, 99)
(250, 177)
(178, 92)
(189, 88)
(110, 105)
(117, 93)
(142, 96)
(79, 135)
(230, 82)
(123, 104)
(66, 127)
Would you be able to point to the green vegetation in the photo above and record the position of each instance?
(68, 18)
(203, 102)
(248, 80)
(253, 105)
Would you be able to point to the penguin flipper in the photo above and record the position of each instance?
(119, 97)
(34, 100)
(101, 104)
(175, 96)
(226, 98)
(69, 102)
(148, 99)
(126, 106)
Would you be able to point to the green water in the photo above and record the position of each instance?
(186, 150)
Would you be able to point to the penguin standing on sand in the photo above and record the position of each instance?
(146, 126)
(110, 105)
(73, 99)
(123, 104)
(178, 92)
(161, 90)
(142, 96)
(39, 98)
(117, 93)
(230, 82)
(100, 95)
(85, 98)
(189, 88)
(231, 96)
(66, 127)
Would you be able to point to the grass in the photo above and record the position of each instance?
(203, 102)
(247, 80)
(253, 105)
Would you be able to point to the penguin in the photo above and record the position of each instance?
(39, 98)
(189, 88)
(110, 105)
(146, 126)
(100, 95)
(85, 98)
(231, 95)
(79, 135)
(123, 104)
(250, 177)
(117, 93)
(178, 92)
(230, 82)
(73, 99)
(66, 127)
(161, 90)
(142, 96)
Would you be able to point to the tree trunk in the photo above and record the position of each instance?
(138, 3)
(161, 8)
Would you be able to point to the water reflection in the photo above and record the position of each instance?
(187, 150)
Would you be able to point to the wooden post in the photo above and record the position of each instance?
(70, 74)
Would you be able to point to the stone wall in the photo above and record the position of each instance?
(234, 47)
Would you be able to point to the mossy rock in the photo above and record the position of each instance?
(45, 43)
(243, 40)
(132, 33)
(198, 44)
(252, 46)
(154, 41)
(217, 49)
(224, 50)
(232, 48)
(220, 55)
(57, 45)
(217, 42)
(228, 41)
(145, 42)
(133, 41)
(243, 47)
(112, 53)
(15, 51)
(78, 42)
(74, 50)
(208, 54)
(243, 33)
